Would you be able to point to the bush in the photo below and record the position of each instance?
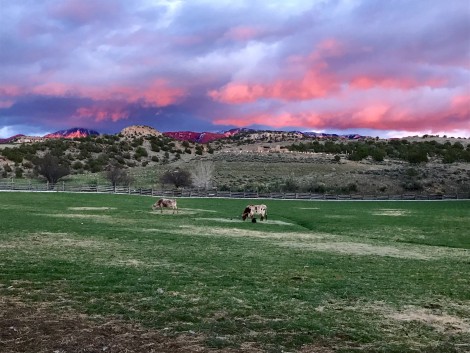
(290, 185)
(178, 178)
(412, 185)
(140, 152)
(19, 172)
(416, 156)
(77, 165)
(28, 165)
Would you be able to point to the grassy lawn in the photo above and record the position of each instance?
(318, 276)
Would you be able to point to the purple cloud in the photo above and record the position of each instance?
(394, 67)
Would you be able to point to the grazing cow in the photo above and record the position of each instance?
(168, 203)
(252, 210)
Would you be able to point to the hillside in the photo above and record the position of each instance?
(259, 160)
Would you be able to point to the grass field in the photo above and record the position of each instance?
(105, 273)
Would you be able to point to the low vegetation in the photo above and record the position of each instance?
(105, 273)
(367, 166)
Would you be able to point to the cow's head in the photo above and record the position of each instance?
(245, 213)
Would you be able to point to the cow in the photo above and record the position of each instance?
(252, 210)
(168, 203)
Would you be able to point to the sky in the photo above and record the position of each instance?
(378, 68)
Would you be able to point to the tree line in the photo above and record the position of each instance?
(412, 152)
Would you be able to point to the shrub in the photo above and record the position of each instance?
(412, 185)
(177, 177)
(19, 172)
(77, 165)
(28, 165)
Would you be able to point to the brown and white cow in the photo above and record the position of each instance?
(252, 210)
(165, 203)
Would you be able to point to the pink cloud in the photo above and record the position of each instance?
(242, 33)
(302, 78)
(379, 115)
(307, 77)
(156, 93)
(364, 82)
(52, 89)
(314, 84)
(103, 113)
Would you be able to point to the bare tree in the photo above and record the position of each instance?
(177, 177)
(51, 168)
(203, 174)
(117, 175)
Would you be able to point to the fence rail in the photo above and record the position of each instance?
(130, 190)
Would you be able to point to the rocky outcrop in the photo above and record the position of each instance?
(139, 130)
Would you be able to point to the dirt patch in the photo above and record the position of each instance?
(239, 220)
(238, 232)
(438, 317)
(198, 210)
(441, 321)
(390, 212)
(39, 329)
(395, 321)
(360, 249)
(81, 215)
(328, 243)
(91, 208)
(281, 223)
(223, 220)
(181, 211)
(62, 245)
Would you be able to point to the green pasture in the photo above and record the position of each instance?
(345, 276)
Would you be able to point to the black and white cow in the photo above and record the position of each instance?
(252, 210)
(165, 203)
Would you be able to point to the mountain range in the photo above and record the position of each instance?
(199, 137)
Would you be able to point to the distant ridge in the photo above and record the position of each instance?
(205, 137)
(198, 137)
(72, 133)
(11, 139)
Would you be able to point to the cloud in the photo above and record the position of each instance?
(323, 64)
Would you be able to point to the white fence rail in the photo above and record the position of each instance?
(130, 190)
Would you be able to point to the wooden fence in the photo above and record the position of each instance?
(64, 187)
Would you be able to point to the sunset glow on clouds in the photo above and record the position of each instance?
(378, 68)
